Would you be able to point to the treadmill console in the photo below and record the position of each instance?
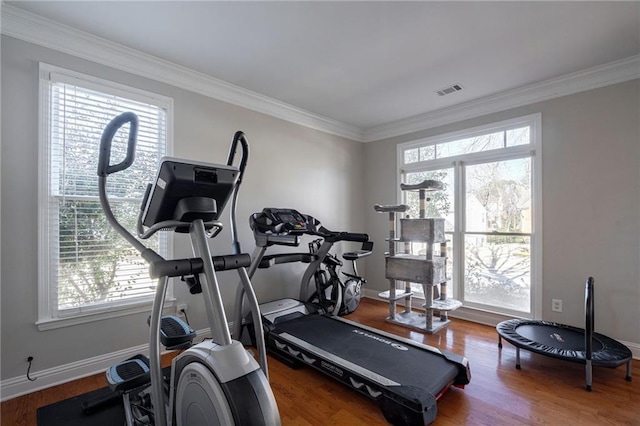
(284, 220)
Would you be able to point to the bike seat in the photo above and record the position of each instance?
(356, 254)
(365, 251)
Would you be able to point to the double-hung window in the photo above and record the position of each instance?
(492, 209)
(87, 270)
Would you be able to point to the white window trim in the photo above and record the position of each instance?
(535, 148)
(46, 319)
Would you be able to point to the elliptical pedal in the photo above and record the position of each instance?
(134, 373)
(129, 374)
(175, 333)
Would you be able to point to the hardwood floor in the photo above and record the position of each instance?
(545, 392)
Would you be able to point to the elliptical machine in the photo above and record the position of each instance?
(215, 382)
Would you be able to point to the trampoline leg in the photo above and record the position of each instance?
(518, 358)
(589, 375)
(500, 341)
(628, 376)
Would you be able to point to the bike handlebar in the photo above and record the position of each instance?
(104, 168)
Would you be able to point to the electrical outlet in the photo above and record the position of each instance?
(181, 310)
(556, 305)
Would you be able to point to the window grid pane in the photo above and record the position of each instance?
(411, 156)
(441, 204)
(520, 136)
(480, 143)
(498, 271)
(498, 196)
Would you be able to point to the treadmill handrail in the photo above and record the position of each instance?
(335, 236)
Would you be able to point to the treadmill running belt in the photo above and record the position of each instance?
(401, 363)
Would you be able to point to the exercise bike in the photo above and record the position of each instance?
(332, 293)
(215, 382)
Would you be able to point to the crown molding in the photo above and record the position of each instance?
(35, 29)
(50, 34)
(591, 78)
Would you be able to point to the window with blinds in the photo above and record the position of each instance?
(86, 266)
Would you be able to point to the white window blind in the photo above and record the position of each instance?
(89, 267)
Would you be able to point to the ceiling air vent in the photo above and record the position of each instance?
(448, 90)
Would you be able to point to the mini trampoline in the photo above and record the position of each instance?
(566, 342)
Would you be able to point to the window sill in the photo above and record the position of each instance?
(120, 311)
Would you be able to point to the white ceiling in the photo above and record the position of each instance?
(366, 64)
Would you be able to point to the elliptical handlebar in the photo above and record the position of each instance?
(238, 137)
(104, 168)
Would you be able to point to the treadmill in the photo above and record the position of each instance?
(405, 377)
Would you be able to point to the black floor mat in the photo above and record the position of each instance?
(69, 412)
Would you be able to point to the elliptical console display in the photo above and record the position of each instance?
(183, 188)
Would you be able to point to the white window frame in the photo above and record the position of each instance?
(48, 316)
(532, 150)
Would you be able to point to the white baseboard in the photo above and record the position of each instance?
(18, 386)
(635, 348)
(482, 317)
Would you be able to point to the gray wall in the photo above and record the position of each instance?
(290, 166)
(591, 203)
